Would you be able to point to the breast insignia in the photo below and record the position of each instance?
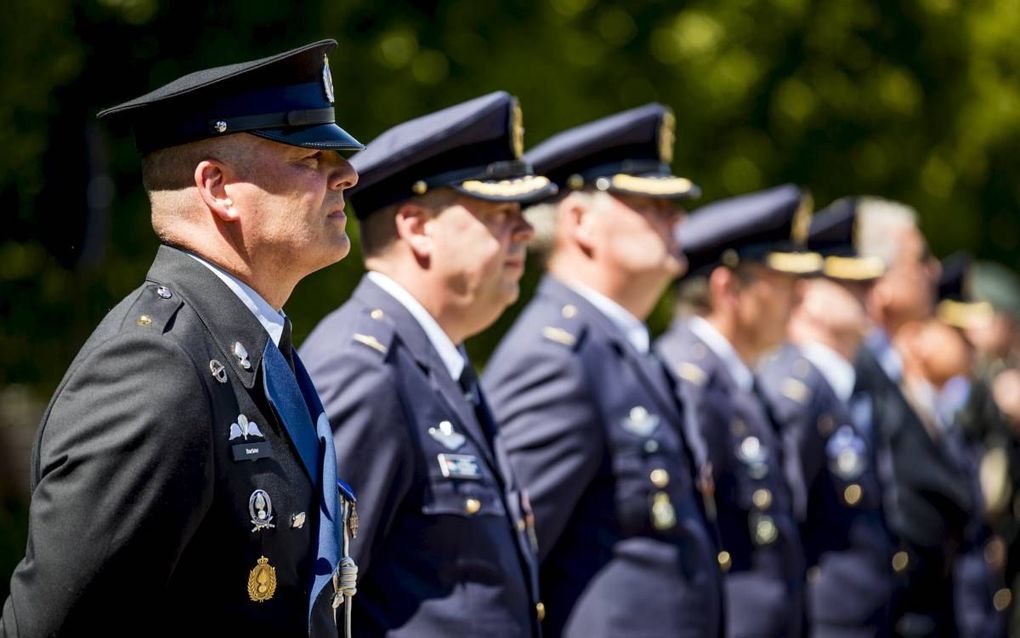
(370, 341)
(447, 437)
(691, 373)
(262, 581)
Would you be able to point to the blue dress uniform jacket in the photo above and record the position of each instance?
(593, 430)
(737, 446)
(833, 474)
(144, 504)
(443, 545)
(927, 506)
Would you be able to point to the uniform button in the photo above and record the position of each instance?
(852, 494)
(900, 560)
(377, 314)
(164, 292)
(569, 311)
(724, 560)
(651, 446)
(762, 498)
(765, 531)
(472, 505)
(540, 611)
(144, 320)
(1002, 598)
(659, 477)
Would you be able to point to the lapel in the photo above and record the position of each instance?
(648, 367)
(413, 337)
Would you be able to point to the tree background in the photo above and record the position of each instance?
(916, 100)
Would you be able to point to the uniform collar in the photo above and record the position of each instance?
(723, 349)
(837, 371)
(270, 318)
(632, 328)
(452, 357)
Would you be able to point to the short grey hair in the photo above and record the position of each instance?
(545, 217)
(877, 221)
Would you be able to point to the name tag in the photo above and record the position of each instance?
(252, 451)
(459, 466)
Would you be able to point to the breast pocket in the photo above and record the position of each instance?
(466, 498)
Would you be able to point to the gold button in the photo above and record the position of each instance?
(659, 478)
(540, 611)
(377, 314)
(852, 494)
(762, 498)
(472, 505)
(1002, 598)
(144, 320)
(765, 531)
(813, 573)
(900, 560)
(569, 311)
(724, 560)
(419, 188)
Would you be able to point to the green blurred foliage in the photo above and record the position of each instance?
(915, 100)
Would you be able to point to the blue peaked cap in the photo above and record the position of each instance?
(628, 153)
(767, 227)
(286, 97)
(474, 147)
(833, 234)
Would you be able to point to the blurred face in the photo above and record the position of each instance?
(991, 335)
(635, 235)
(764, 300)
(942, 352)
(479, 253)
(293, 205)
(907, 290)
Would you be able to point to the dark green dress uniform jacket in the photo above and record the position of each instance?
(142, 506)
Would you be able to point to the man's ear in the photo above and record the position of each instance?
(722, 285)
(414, 223)
(211, 179)
(580, 221)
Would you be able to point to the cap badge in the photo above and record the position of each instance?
(446, 436)
(243, 427)
(262, 581)
(327, 79)
(667, 137)
(517, 129)
(260, 508)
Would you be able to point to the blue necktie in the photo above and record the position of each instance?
(294, 398)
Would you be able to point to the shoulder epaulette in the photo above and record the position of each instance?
(155, 307)
(374, 330)
(565, 330)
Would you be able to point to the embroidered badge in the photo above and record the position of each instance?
(260, 507)
(244, 427)
(446, 436)
(262, 581)
(640, 421)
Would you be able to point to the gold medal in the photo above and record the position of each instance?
(262, 581)
(663, 514)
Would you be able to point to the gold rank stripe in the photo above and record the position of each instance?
(652, 185)
(507, 187)
(369, 341)
(853, 268)
(794, 263)
(690, 372)
(559, 335)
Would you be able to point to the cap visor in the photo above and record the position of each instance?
(322, 136)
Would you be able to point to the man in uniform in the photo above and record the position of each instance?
(828, 439)
(178, 481)
(927, 497)
(445, 537)
(745, 258)
(590, 418)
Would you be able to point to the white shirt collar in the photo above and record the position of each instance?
(837, 371)
(632, 328)
(723, 349)
(270, 318)
(453, 358)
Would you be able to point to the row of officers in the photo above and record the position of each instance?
(806, 451)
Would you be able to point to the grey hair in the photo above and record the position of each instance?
(545, 217)
(877, 221)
